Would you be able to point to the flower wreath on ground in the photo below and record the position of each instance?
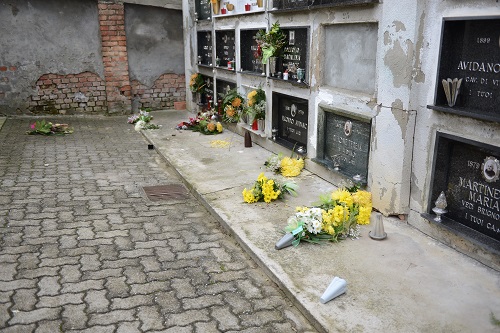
(204, 122)
(142, 120)
(47, 128)
(232, 104)
(267, 190)
(337, 216)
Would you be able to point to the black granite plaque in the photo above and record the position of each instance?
(203, 10)
(306, 4)
(205, 48)
(470, 52)
(225, 49)
(290, 117)
(468, 173)
(209, 89)
(250, 61)
(295, 53)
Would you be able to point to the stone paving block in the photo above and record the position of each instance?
(34, 316)
(103, 273)
(7, 271)
(217, 288)
(206, 327)
(129, 327)
(70, 273)
(202, 302)
(25, 299)
(28, 273)
(96, 301)
(260, 318)
(17, 284)
(19, 328)
(89, 262)
(112, 317)
(237, 302)
(76, 287)
(150, 318)
(136, 253)
(49, 285)
(48, 326)
(149, 287)
(96, 329)
(186, 317)
(59, 300)
(131, 302)
(117, 287)
(226, 319)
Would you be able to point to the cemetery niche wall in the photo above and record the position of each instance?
(468, 173)
(290, 119)
(343, 142)
(468, 80)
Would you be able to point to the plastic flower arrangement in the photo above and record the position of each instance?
(256, 104)
(204, 122)
(196, 83)
(271, 42)
(267, 190)
(232, 103)
(47, 128)
(336, 217)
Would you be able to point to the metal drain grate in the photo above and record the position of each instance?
(166, 192)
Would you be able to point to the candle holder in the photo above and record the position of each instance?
(440, 207)
(274, 132)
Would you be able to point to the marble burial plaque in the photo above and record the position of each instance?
(346, 144)
(203, 9)
(204, 48)
(225, 49)
(468, 172)
(249, 52)
(291, 120)
(470, 52)
(295, 52)
(302, 4)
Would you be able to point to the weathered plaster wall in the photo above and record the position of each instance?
(428, 121)
(52, 36)
(155, 51)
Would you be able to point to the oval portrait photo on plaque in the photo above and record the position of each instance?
(490, 169)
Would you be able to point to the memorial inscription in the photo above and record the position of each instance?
(469, 172)
(295, 53)
(344, 143)
(291, 120)
(470, 53)
(225, 49)
(304, 4)
(204, 48)
(203, 10)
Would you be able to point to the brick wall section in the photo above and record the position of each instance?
(114, 55)
(82, 93)
(166, 90)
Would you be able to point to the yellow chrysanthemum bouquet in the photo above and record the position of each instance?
(286, 166)
(337, 216)
(267, 190)
(196, 83)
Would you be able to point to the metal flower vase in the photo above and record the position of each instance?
(272, 65)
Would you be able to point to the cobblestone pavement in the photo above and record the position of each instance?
(84, 250)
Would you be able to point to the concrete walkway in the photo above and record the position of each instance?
(405, 283)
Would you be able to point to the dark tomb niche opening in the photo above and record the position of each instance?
(290, 119)
(468, 173)
(204, 39)
(250, 62)
(469, 64)
(225, 49)
(344, 142)
(203, 10)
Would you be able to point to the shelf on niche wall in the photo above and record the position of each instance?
(467, 112)
(205, 65)
(225, 69)
(295, 83)
(235, 13)
(249, 128)
(253, 73)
